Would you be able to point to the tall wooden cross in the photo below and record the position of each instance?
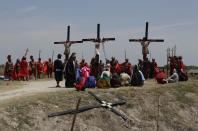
(99, 40)
(67, 44)
(145, 42)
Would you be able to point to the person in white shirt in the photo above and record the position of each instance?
(174, 77)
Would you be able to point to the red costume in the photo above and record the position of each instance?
(16, 70)
(161, 77)
(24, 68)
(39, 69)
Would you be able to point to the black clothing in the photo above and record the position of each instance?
(58, 70)
(70, 74)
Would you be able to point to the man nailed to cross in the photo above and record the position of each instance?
(98, 41)
(145, 42)
(67, 44)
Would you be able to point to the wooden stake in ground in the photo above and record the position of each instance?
(74, 118)
(67, 44)
(145, 42)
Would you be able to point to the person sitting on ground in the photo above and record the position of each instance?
(106, 74)
(174, 77)
(85, 73)
(58, 70)
(137, 77)
(160, 77)
(125, 79)
(104, 81)
(182, 75)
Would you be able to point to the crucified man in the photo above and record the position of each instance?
(145, 49)
(67, 50)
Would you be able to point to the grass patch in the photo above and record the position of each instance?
(10, 85)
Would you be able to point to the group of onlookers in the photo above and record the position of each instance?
(24, 70)
(82, 75)
(103, 75)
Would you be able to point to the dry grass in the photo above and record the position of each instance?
(11, 85)
(178, 109)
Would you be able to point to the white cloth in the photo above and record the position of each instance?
(143, 79)
(107, 73)
(173, 78)
(125, 79)
(97, 48)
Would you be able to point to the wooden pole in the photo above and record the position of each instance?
(125, 56)
(74, 118)
(168, 55)
(26, 52)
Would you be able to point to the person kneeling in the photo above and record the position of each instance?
(137, 78)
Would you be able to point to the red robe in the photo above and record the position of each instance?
(24, 69)
(160, 77)
(45, 68)
(40, 67)
(16, 71)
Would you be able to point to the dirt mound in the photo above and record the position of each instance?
(178, 110)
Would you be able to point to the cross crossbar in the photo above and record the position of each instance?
(99, 39)
(68, 39)
(145, 38)
(145, 41)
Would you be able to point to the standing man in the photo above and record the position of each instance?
(24, 69)
(9, 68)
(32, 68)
(58, 70)
(39, 68)
(49, 68)
(70, 71)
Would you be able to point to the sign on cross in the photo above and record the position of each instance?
(98, 40)
(67, 44)
(145, 42)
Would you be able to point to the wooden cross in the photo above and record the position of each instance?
(67, 44)
(145, 42)
(103, 104)
(99, 40)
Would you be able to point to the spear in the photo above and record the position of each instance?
(39, 53)
(125, 54)
(52, 55)
(26, 51)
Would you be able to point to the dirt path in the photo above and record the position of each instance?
(33, 87)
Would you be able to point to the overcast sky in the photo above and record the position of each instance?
(36, 24)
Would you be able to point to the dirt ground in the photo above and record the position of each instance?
(174, 107)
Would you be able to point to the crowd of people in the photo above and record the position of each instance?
(81, 75)
(177, 71)
(24, 70)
